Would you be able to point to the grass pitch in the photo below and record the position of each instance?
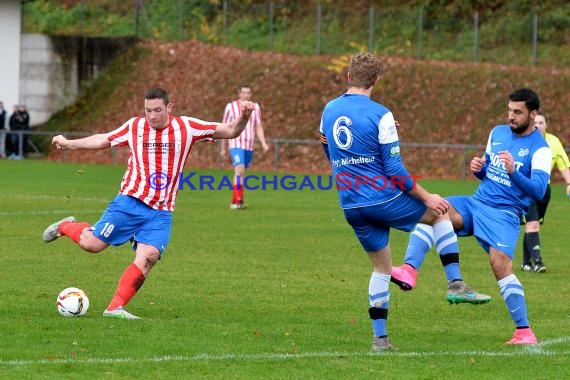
(278, 290)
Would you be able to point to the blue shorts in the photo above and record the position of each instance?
(241, 157)
(127, 218)
(492, 227)
(372, 224)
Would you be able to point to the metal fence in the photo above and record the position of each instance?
(530, 33)
(286, 155)
(424, 32)
(425, 160)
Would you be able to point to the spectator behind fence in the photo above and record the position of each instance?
(2, 130)
(19, 121)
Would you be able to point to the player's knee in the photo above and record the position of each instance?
(90, 243)
(151, 258)
(501, 263)
(146, 257)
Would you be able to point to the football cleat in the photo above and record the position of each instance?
(380, 344)
(50, 233)
(539, 268)
(238, 206)
(119, 313)
(523, 336)
(460, 292)
(404, 276)
(527, 268)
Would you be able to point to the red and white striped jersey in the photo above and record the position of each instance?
(157, 156)
(246, 140)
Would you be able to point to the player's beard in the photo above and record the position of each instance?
(521, 128)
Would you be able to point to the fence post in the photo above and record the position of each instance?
(419, 54)
(181, 20)
(20, 144)
(476, 36)
(463, 170)
(371, 29)
(271, 13)
(319, 13)
(534, 38)
(225, 21)
(138, 6)
(276, 159)
(219, 153)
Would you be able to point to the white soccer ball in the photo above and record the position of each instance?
(72, 302)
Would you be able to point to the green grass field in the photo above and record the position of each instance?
(276, 291)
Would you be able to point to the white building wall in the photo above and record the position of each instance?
(10, 27)
(48, 82)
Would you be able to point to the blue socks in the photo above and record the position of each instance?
(513, 293)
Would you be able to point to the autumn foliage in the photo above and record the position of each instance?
(435, 102)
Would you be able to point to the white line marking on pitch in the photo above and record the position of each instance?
(525, 351)
(45, 212)
(58, 197)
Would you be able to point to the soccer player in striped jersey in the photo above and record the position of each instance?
(514, 171)
(532, 258)
(241, 148)
(376, 192)
(159, 145)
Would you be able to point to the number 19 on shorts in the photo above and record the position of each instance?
(107, 229)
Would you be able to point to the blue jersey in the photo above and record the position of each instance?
(361, 141)
(514, 192)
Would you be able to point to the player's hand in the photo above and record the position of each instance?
(265, 148)
(477, 164)
(507, 159)
(246, 108)
(437, 204)
(60, 142)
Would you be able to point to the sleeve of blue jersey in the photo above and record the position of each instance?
(535, 186)
(394, 166)
(325, 144)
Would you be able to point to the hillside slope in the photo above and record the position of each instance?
(435, 102)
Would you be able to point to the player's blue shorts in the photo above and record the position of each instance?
(241, 157)
(492, 227)
(127, 218)
(372, 224)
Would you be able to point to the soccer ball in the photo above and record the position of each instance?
(72, 302)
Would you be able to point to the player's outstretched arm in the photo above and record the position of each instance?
(234, 128)
(98, 141)
(433, 202)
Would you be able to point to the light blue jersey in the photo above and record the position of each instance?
(492, 214)
(514, 192)
(364, 151)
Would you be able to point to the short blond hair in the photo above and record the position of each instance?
(364, 70)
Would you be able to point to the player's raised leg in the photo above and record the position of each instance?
(51, 233)
(419, 244)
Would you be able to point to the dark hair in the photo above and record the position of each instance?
(526, 95)
(245, 85)
(157, 93)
